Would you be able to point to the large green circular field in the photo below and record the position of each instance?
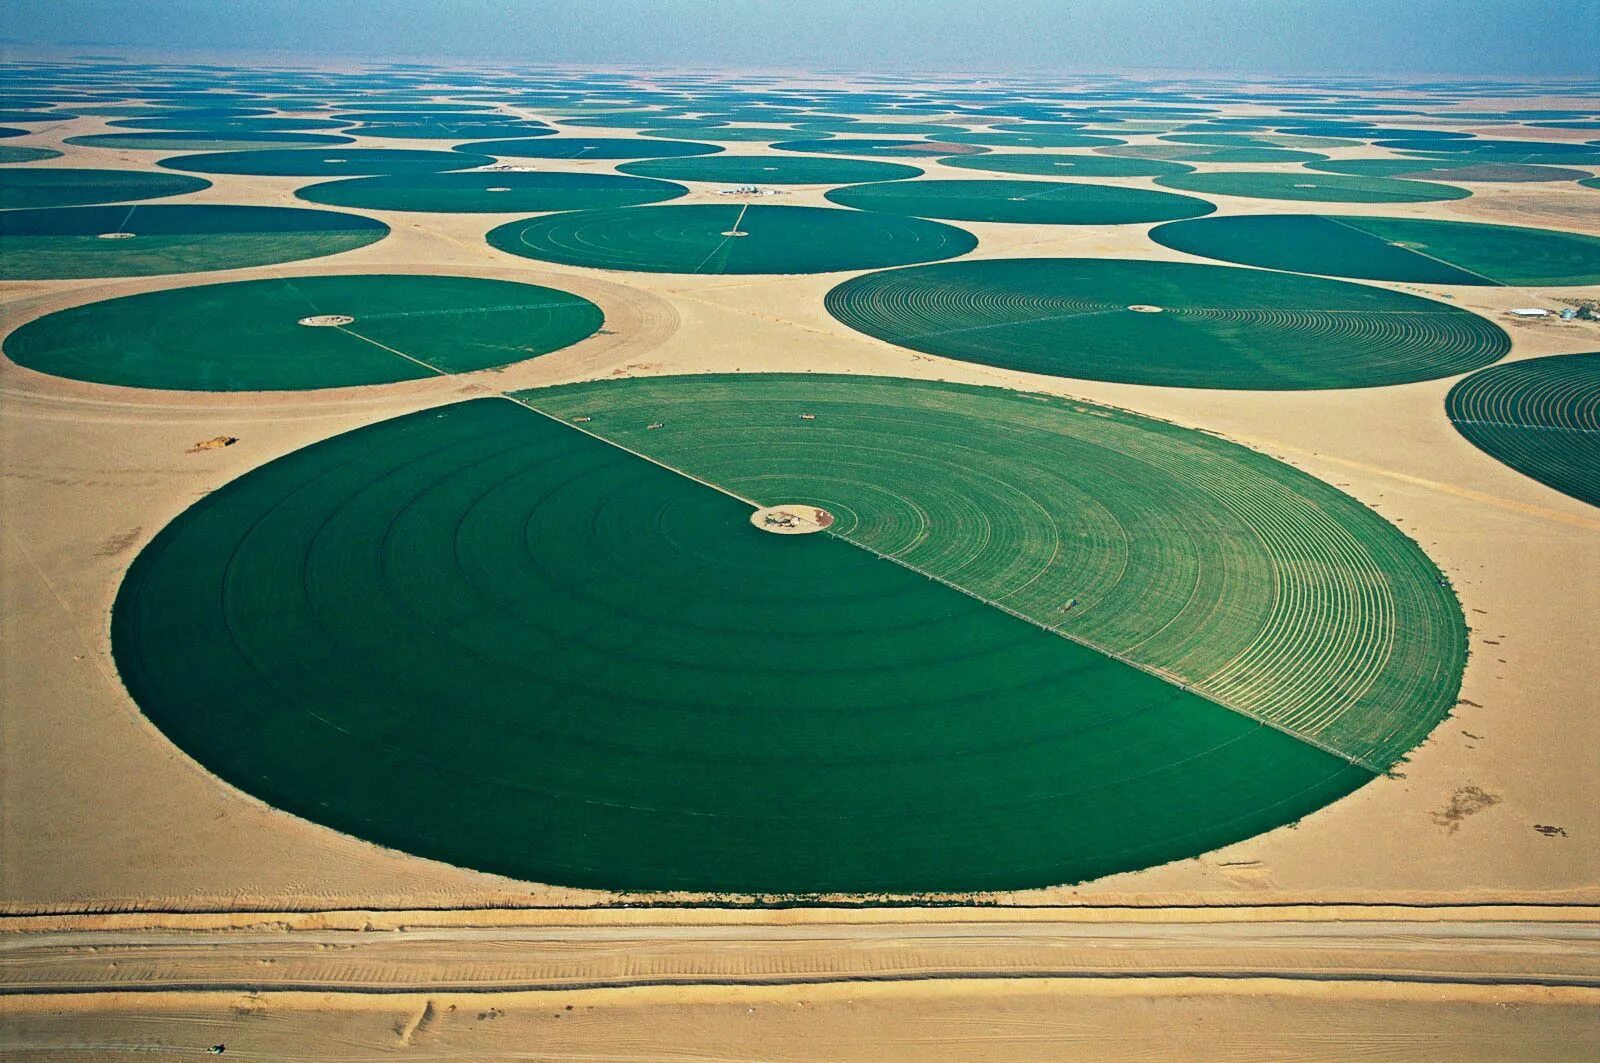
(1040, 164)
(254, 335)
(10, 154)
(1540, 416)
(1417, 250)
(1038, 202)
(232, 140)
(1167, 323)
(589, 148)
(485, 636)
(491, 192)
(1200, 153)
(1314, 187)
(330, 162)
(61, 186)
(731, 238)
(771, 170)
(137, 240)
(1448, 170)
(886, 147)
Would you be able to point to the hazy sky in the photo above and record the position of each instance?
(1506, 37)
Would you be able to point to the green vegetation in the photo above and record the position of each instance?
(61, 186)
(1540, 416)
(1199, 153)
(1233, 573)
(589, 148)
(1044, 202)
(1417, 250)
(1038, 164)
(334, 162)
(479, 635)
(246, 336)
(137, 240)
(1447, 170)
(1167, 323)
(490, 192)
(730, 238)
(10, 153)
(770, 170)
(1313, 187)
(891, 147)
(233, 140)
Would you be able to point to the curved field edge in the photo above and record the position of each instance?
(1540, 416)
(1266, 590)
(479, 635)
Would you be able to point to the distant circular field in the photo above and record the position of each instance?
(60, 186)
(886, 147)
(10, 153)
(1042, 165)
(991, 139)
(138, 240)
(1447, 170)
(731, 238)
(453, 130)
(234, 140)
(1199, 153)
(720, 133)
(1167, 323)
(1040, 202)
(1417, 250)
(490, 191)
(249, 336)
(770, 170)
(1321, 188)
(589, 148)
(334, 162)
(1540, 416)
(477, 634)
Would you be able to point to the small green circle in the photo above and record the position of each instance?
(1167, 323)
(771, 170)
(325, 162)
(733, 238)
(1416, 250)
(139, 240)
(590, 148)
(490, 192)
(1540, 416)
(248, 336)
(1042, 202)
(1320, 188)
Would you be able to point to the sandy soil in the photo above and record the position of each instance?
(99, 814)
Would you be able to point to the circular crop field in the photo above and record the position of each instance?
(1321, 188)
(590, 148)
(1416, 250)
(1167, 323)
(991, 139)
(770, 170)
(453, 130)
(731, 238)
(482, 635)
(1447, 170)
(1045, 202)
(10, 153)
(137, 240)
(888, 147)
(61, 186)
(1043, 165)
(263, 335)
(233, 140)
(1200, 153)
(1540, 416)
(490, 192)
(335, 162)
(721, 133)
